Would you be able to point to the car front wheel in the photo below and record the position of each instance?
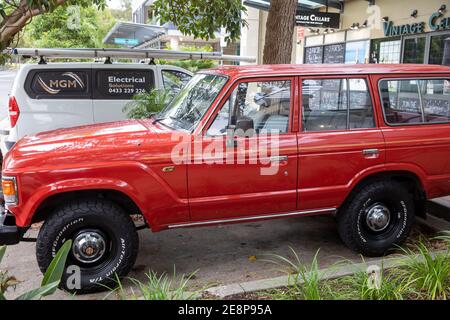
(104, 244)
(377, 218)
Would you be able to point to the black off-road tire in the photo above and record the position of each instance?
(354, 229)
(68, 220)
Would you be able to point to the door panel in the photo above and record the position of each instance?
(231, 190)
(330, 160)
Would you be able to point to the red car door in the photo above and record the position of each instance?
(254, 174)
(339, 140)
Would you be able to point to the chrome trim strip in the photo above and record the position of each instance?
(298, 213)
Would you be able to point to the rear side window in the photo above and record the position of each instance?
(122, 84)
(415, 101)
(336, 104)
(58, 84)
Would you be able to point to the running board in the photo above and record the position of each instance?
(252, 218)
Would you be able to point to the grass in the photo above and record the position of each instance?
(157, 287)
(430, 273)
(305, 281)
(422, 274)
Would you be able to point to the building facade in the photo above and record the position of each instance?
(374, 31)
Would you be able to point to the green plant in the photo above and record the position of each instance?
(386, 287)
(428, 272)
(50, 282)
(304, 281)
(156, 287)
(146, 104)
(191, 65)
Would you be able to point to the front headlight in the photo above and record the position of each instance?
(9, 186)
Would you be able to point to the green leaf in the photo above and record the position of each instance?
(56, 268)
(39, 292)
(2, 252)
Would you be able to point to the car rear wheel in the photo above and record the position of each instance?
(377, 218)
(104, 244)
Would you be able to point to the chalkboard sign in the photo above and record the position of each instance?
(436, 107)
(334, 53)
(359, 100)
(313, 55)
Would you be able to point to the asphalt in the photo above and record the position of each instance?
(216, 255)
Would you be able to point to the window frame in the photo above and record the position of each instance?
(368, 81)
(232, 87)
(421, 101)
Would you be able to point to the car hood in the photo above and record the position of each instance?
(108, 141)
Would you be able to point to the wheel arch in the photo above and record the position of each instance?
(409, 179)
(46, 207)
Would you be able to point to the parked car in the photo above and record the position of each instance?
(59, 95)
(367, 144)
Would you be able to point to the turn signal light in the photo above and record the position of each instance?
(9, 188)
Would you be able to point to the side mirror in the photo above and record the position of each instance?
(244, 127)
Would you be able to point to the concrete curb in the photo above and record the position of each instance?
(329, 273)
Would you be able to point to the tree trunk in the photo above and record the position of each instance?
(18, 19)
(280, 32)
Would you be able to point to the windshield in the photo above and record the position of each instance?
(189, 106)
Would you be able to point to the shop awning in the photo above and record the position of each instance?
(130, 34)
(303, 4)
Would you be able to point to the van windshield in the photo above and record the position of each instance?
(188, 107)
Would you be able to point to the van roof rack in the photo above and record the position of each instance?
(86, 53)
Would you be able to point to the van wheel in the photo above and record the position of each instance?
(376, 219)
(105, 244)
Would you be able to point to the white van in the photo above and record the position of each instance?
(58, 95)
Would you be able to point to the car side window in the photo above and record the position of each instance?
(264, 106)
(336, 104)
(175, 80)
(416, 101)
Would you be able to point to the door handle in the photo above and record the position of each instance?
(371, 153)
(279, 158)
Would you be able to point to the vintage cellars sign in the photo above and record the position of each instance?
(436, 22)
(317, 19)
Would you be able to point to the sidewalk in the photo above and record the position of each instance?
(440, 207)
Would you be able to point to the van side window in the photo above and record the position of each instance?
(336, 104)
(58, 84)
(416, 101)
(266, 105)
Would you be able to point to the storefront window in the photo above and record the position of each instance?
(440, 49)
(414, 51)
(357, 52)
(385, 51)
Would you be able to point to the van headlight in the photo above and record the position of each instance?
(9, 187)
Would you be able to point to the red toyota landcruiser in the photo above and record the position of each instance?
(366, 143)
